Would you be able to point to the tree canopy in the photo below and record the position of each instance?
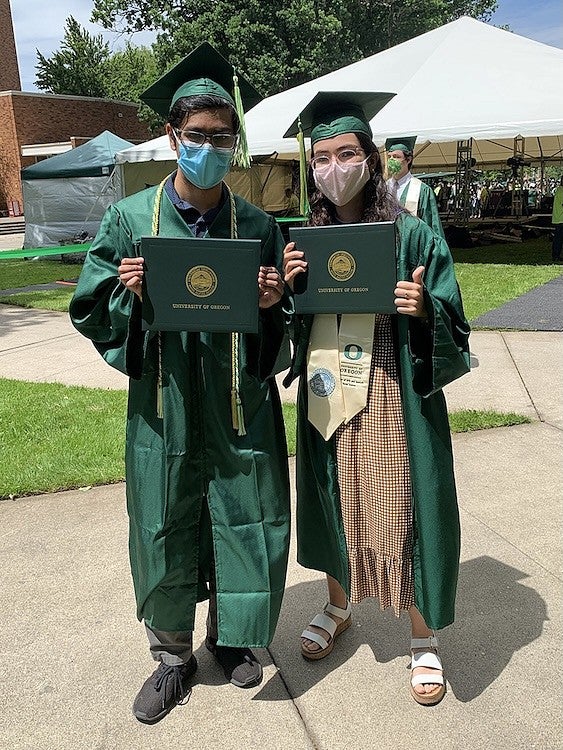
(282, 43)
(275, 44)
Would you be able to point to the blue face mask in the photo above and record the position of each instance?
(204, 166)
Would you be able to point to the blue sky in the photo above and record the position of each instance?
(38, 28)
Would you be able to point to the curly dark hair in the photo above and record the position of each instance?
(379, 204)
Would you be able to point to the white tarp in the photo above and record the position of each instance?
(58, 209)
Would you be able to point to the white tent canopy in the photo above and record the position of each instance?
(463, 80)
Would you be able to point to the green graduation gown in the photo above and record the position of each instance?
(196, 490)
(427, 209)
(429, 356)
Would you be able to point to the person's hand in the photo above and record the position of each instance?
(131, 274)
(409, 299)
(270, 285)
(293, 263)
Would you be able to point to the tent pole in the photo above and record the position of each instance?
(517, 207)
(462, 181)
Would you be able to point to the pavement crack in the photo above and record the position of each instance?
(505, 342)
(36, 343)
(312, 739)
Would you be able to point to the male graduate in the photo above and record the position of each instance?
(206, 458)
(416, 196)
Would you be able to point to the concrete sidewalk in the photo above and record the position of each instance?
(74, 656)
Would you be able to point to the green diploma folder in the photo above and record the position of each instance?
(203, 284)
(352, 268)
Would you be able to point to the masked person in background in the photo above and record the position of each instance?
(206, 465)
(413, 194)
(376, 499)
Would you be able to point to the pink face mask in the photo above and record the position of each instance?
(341, 182)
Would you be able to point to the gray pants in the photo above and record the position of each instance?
(176, 647)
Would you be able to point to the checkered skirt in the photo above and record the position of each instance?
(375, 489)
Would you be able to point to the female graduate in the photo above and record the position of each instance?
(377, 508)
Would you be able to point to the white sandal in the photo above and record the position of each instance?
(430, 660)
(329, 625)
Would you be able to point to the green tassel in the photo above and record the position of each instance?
(242, 156)
(303, 200)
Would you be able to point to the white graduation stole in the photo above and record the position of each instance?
(338, 369)
(413, 194)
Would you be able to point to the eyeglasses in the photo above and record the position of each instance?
(342, 157)
(225, 141)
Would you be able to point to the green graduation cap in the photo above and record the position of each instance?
(330, 113)
(404, 143)
(205, 71)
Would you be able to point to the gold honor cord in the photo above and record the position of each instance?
(236, 403)
(155, 231)
(237, 412)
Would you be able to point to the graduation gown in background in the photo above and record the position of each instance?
(195, 488)
(427, 208)
(429, 356)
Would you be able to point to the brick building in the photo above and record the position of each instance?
(34, 126)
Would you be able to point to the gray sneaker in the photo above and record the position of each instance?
(240, 665)
(166, 687)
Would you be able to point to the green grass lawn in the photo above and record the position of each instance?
(15, 274)
(50, 299)
(488, 276)
(487, 286)
(55, 437)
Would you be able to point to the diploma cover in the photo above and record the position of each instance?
(352, 268)
(203, 284)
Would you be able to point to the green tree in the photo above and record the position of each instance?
(79, 67)
(282, 43)
(129, 72)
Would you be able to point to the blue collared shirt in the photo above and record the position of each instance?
(198, 223)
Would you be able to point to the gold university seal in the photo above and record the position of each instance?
(201, 281)
(341, 265)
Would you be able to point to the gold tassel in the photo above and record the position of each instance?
(237, 412)
(242, 156)
(303, 201)
(234, 408)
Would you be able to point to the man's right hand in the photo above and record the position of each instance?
(293, 264)
(131, 274)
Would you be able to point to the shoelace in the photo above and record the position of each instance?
(167, 672)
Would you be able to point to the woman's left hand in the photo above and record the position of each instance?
(270, 285)
(409, 297)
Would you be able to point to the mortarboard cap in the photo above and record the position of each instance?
(404, 143)
(331, 113)
(203, 71)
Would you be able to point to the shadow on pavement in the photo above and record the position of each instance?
(496, 617)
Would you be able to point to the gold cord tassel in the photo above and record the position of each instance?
(237, 412)
(155, 230)
(303, 201)
(242, 156)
